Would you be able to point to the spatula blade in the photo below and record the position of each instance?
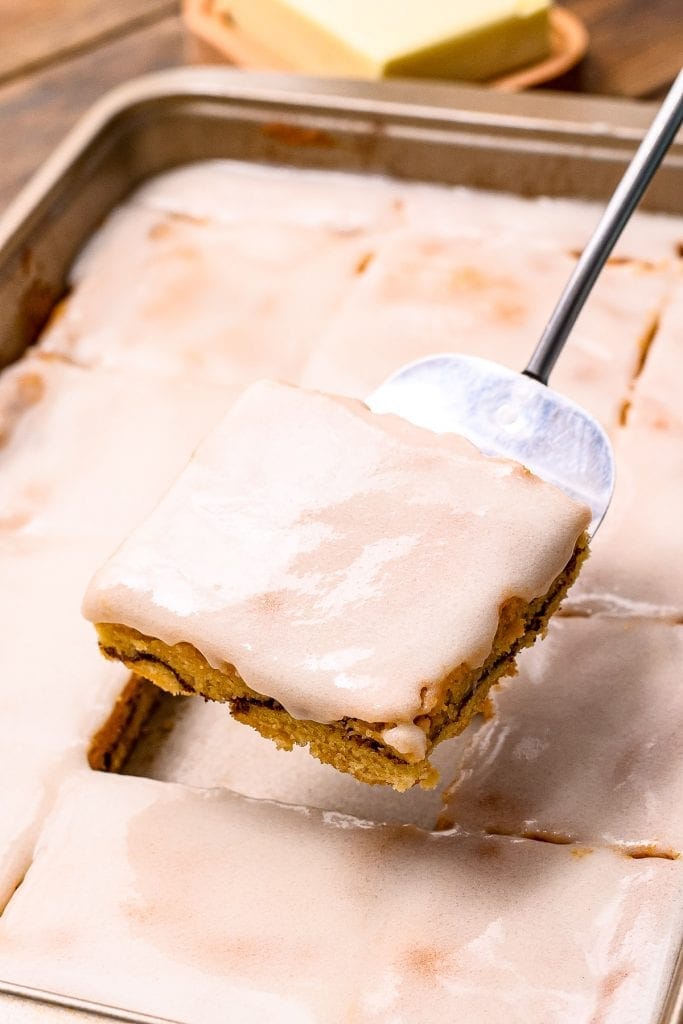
(510, 415)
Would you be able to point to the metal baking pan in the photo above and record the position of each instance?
(552, 145)
(536, 144)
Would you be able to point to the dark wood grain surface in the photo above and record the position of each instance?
(636, 47)
(58, 56)
(37, 110)
(33, 32)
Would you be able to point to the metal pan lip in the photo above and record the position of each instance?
(81, 1006)
(449, 106)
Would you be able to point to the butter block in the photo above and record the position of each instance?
(414, 38)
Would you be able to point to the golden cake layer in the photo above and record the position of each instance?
(344, 580)
(349, 745)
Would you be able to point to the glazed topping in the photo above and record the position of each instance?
(19, 391)
(343, 562)
(575, 702)
(182, 902)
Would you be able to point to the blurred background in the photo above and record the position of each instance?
(58, 56)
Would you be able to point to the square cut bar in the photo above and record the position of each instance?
(257, 294)
(487, 294)
(636, 567)
(586, 744)
(203, 907)
(344, 580)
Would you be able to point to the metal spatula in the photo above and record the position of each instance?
(516, 415)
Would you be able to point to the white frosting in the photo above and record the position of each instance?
(486, 295)
(91, 453)
(192, 299)
(587, 741)
(408, 739)
(231, 192)
(199, 743)
(636, 565)
(661, 376)
(34, 774)
(51, 701)
(553, 225)
(85, 454)
(308, 538)
(183, 903)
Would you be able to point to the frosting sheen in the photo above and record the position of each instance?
(343, 562)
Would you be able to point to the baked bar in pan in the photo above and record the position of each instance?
(115, 739)
(584, 745)
(344, 580)
(139, 897)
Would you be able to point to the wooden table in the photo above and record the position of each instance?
(58, 56)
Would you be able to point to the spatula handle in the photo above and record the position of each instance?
(613, 221)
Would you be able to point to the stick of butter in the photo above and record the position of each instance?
(465, 39)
